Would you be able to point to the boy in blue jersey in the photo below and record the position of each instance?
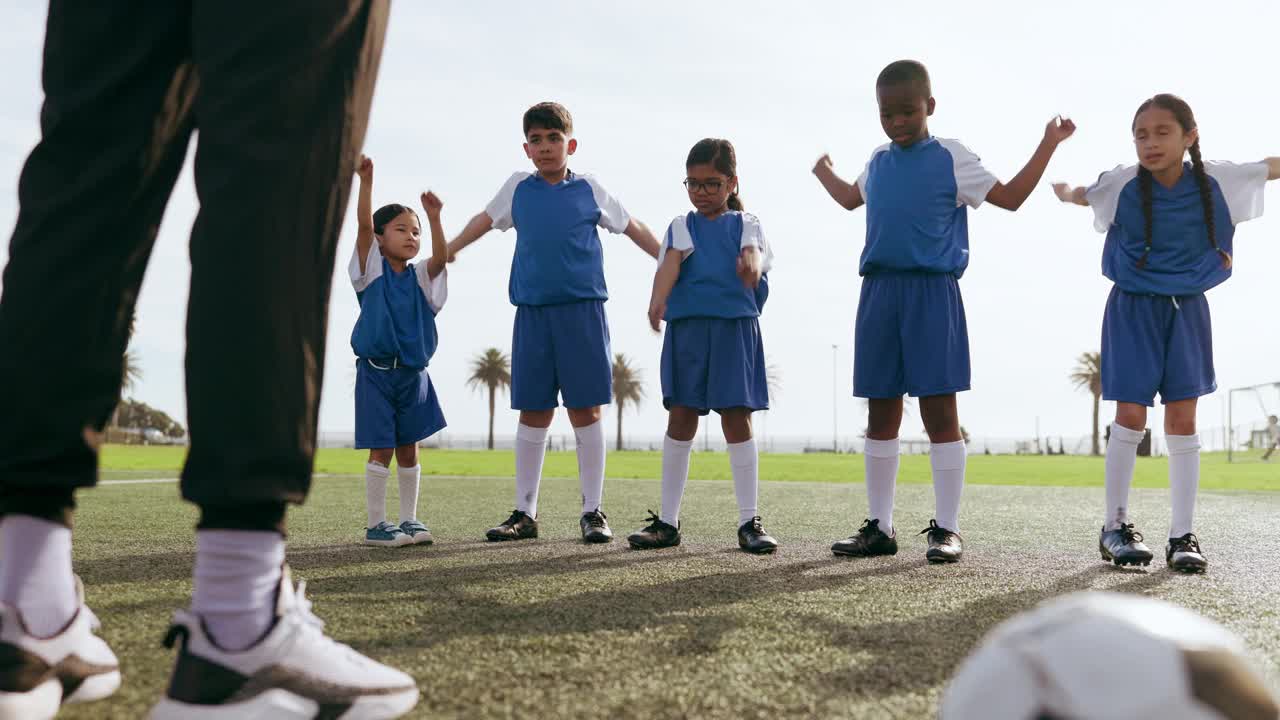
(394, 339)
(560, 345)
(911, 335)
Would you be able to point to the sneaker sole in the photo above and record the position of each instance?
(504, 538)
(94, 688)
(419, 540)
(38, 703)
(940, 559)
(280, 704)
(759, 551)
(842, 553)
(597, 539)
(388, 543)
(1122, 562)
(643, 546)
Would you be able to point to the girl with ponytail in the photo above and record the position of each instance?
(710, 287)
(1170, 224)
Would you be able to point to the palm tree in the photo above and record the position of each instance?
(1087, 374)
(490, 369)
(627, 388)
(132, 372)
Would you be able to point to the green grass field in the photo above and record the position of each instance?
(1057, 470)
(552, 628)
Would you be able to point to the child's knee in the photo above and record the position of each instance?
(407, 455)
(382, 456)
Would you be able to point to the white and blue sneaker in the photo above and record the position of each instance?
(294, 672)
(386, 535)
(417, 532)
(39, 675)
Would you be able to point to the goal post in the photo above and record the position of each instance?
(1251, 430)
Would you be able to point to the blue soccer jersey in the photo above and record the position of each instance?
(1182, 261)
(709, 285)
(558, 257)
(397, 310)
(916, 215)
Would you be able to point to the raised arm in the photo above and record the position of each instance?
(1068, 194)
(663, 281)
(475, 229)
(644, 239)
(846, 194)
(439, 248)
(364, 211)
(1016, 192)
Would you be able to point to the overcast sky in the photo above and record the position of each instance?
(785, 82)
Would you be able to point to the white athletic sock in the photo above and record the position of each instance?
(375, 492)
(947, 461)
(1122, 456)
(675, 475)
(745, 463)
(35, 572)
(591, 464)
(237, 574)
(410, 480)
(1184, 480)
(881, 460)
(531, 447)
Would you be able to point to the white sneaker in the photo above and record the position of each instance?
(38, 675)
(296, 671)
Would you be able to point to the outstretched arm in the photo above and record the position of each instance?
(1068, 194)
(1012, 195)
(846, 194)
(475, 229)
(663, 281)
(364, 211)
(643, 238)
(439, 248)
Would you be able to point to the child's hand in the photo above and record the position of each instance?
(432, 204)
(1059, 129)
(364, 169)
(656, 312)
(749, 267)
(1063, 191)
(823, 164)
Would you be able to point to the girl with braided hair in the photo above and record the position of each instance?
(1169, 225)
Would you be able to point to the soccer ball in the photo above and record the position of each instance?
(1096, 655)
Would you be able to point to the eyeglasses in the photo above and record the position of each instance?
(711, 186)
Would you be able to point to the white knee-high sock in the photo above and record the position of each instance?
(675, 474)
(1122, 456)
(591, 464)
(410, 480)
(1184, 481)
(375, 492)
(35, 572)
(948, 461)
(237, 573)
(745, 464)
(881, 460)
(531, 448)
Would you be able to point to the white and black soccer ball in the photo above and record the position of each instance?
(1097, 655)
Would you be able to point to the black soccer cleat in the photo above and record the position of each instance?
(520, 526)
(1183, 554)
(595, 527)
(869, 541)
(1124, 546)
(944, 545)
(657, 535)
(753, 538)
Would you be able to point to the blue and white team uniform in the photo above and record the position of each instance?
(712, 354)
(560, 344)
(911, 336)
(1156, 332)
(394, 339)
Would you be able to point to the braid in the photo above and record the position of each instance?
(1206, 200)
(1144, 189)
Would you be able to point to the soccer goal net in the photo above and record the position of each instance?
(1253, 423)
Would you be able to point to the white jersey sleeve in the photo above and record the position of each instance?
(678, 239)
(973, 181)
(613, 217)
(372, 267)
(1243, 186)
(435, 289)
(753, 236)
(499, 208)
(1104, 195)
